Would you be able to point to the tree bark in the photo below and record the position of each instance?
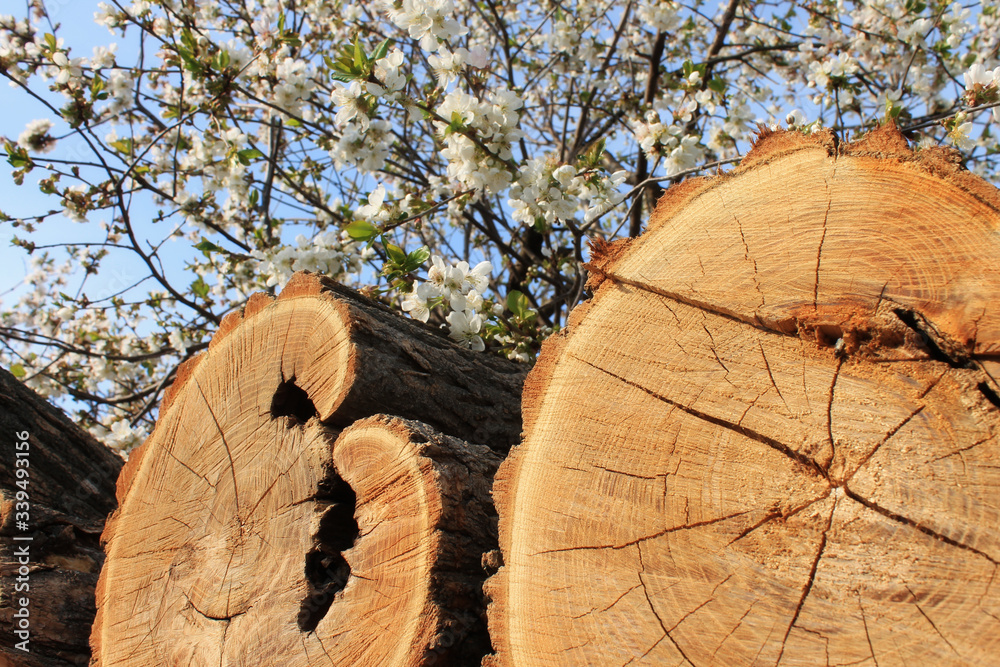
(236, 542)
(771, 437)
(51, 515)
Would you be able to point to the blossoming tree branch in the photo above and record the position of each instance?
(451, 159)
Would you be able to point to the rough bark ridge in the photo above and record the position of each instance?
(237, 538)
(70, 491)
(771, 436)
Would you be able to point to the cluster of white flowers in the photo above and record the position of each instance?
(331, 253)
(460, 289)
(365, 140)
(447, 65)
(547, 191)
(494, 123)
(36, 137)
(12, 44)
(374, 211)
(980, 81)
(365, 149)
(119, 435)
(389, 72)
(679, 151)
(296, 83)
(834, 65)
(430, 21)
(659, 15)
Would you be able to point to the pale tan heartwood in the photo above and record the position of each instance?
(251, 531)
(771, 438)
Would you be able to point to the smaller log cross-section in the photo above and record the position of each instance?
(771, 438)
(425, 520)
(246, 536)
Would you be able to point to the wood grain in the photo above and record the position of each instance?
(771, 436)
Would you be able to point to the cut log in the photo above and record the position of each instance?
(771, 437)
(56, 490)
(233, 541)
(426, 519)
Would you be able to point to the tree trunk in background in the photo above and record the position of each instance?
(70, 482)
(772, 435)
(237, 540)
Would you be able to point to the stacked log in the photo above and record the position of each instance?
(254, 528)
(56, 489)
(771, 437)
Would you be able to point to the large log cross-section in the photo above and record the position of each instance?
(771, 438)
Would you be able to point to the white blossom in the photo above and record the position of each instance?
(464, 326)
(35, 136)
(977, 75)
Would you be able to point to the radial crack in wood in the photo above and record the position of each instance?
(772, 436)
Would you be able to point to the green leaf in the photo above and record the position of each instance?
(717, 84)
(592, 158)
(247, 154)
(415, 259)
(254, 196)
(359, 53)
(188, 40)
(292, 122)
(382, 50)
(396, 254)
(457, 123)
(517, 304)
(190, 63)
(17, 370)
(200, 287)
(123, 146)
(361, 230)
(207, 246)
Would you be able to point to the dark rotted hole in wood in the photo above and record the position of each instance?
(326, 569)
(290, 400)
(829, 334)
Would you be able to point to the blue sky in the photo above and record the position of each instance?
(81, 33)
